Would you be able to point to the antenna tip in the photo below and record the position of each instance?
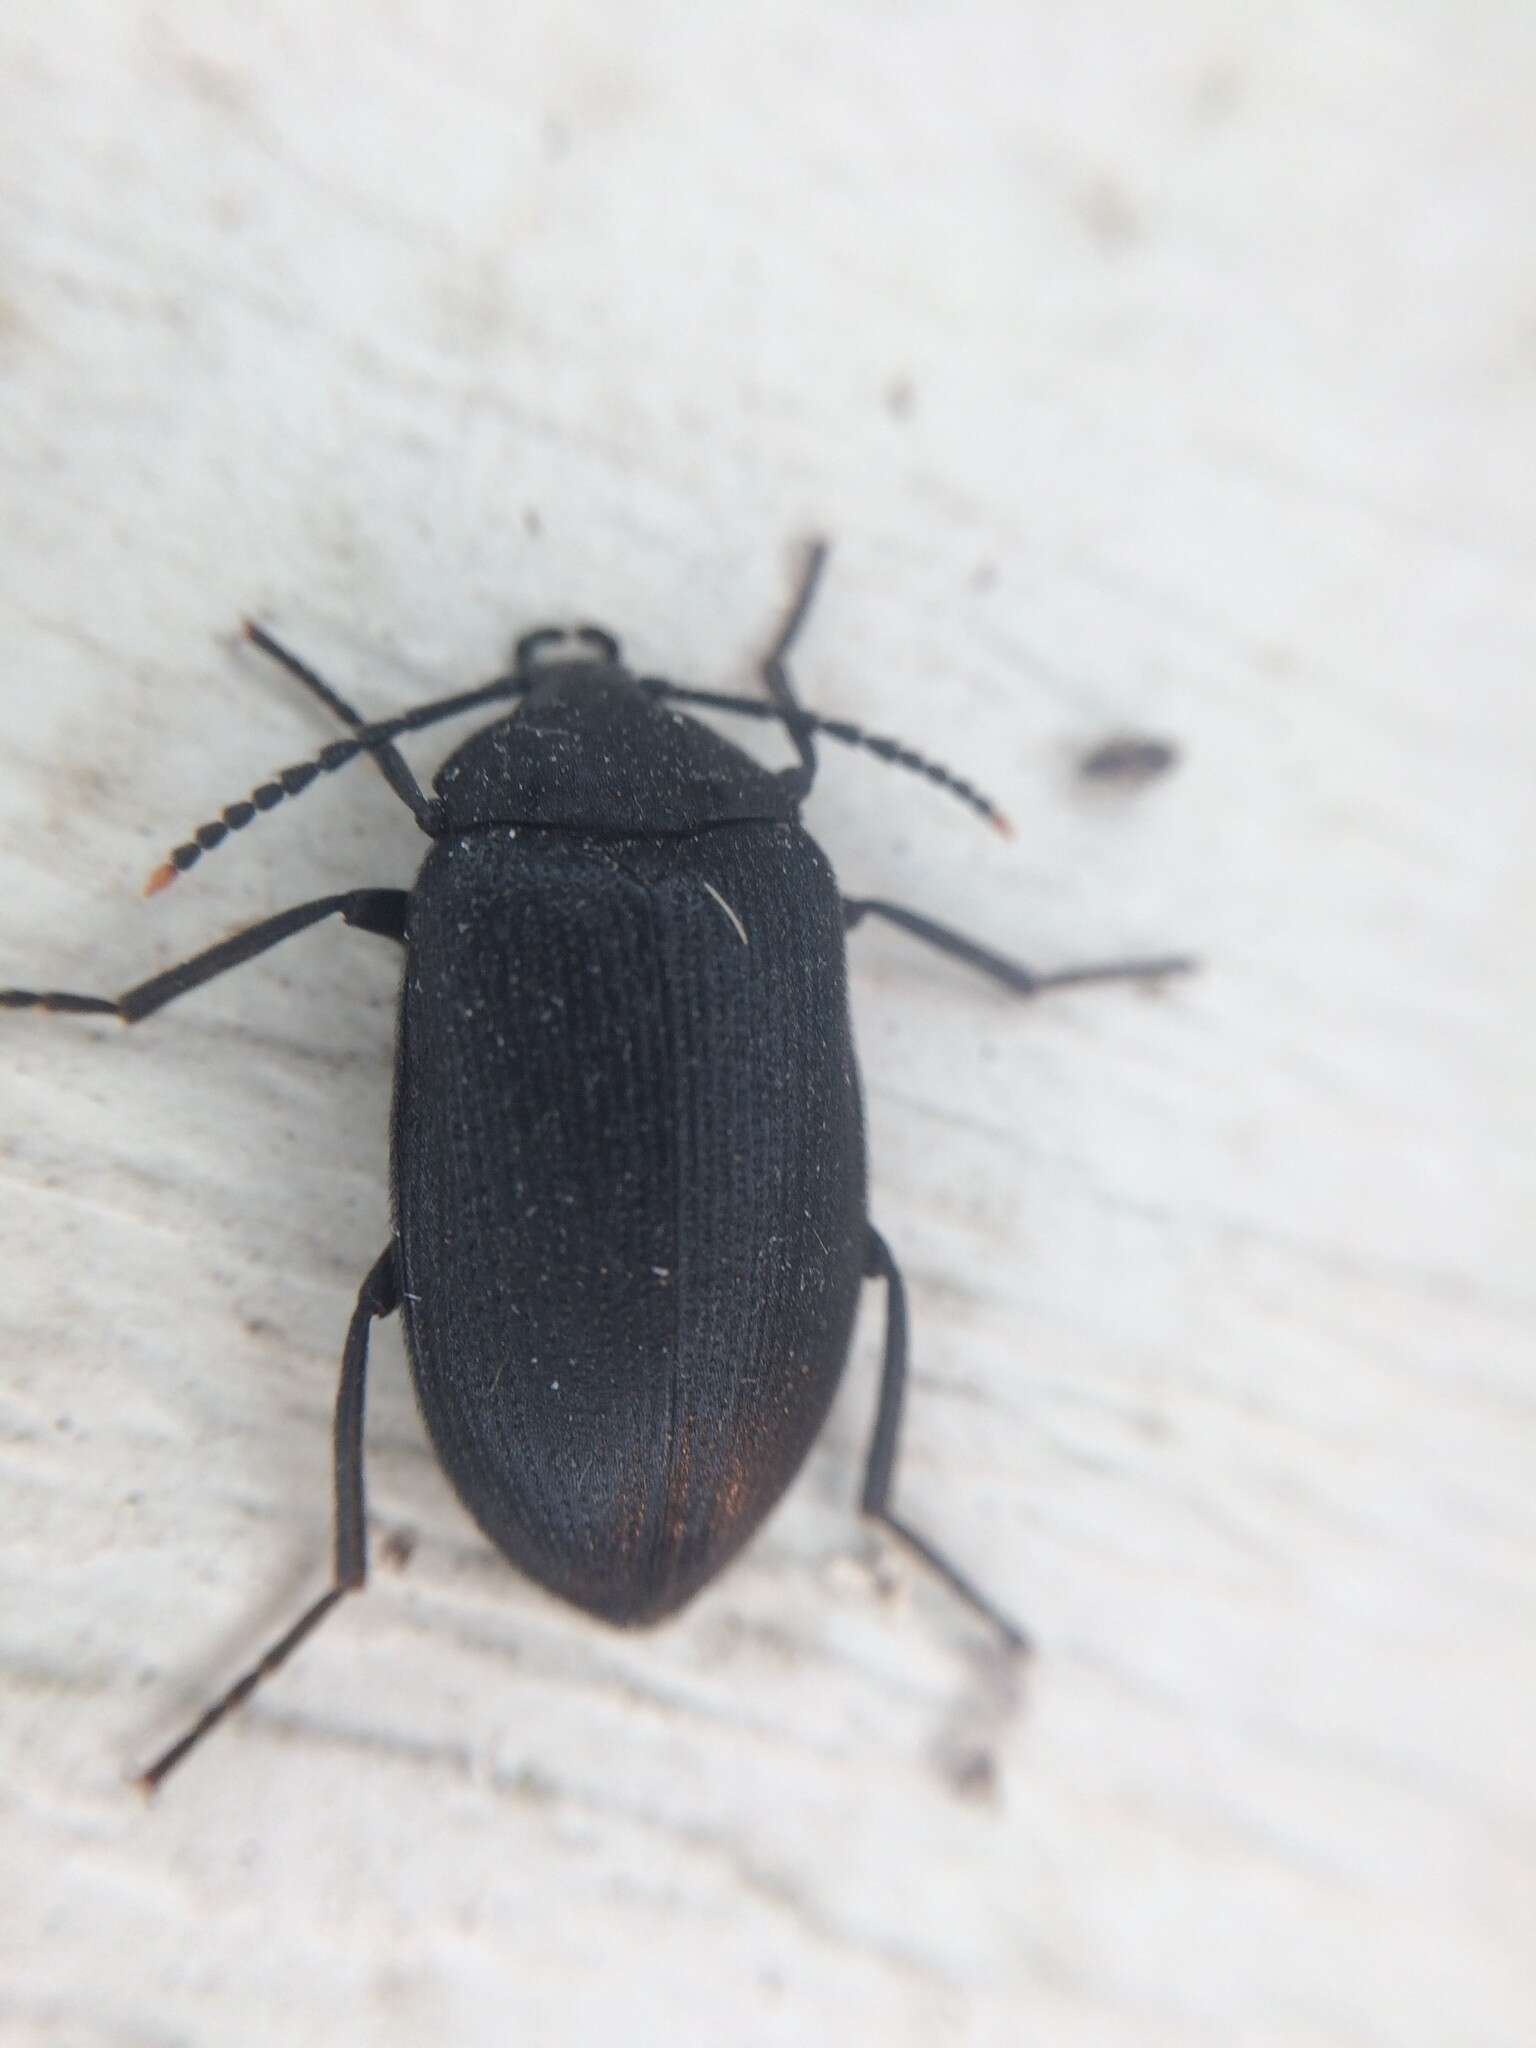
(1003, 826)
(162, 878)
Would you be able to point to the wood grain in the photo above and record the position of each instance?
(1159, 370)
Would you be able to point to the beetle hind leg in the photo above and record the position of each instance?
(378, 1296)
(880, 1466)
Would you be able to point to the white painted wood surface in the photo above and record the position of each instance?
(1167, 367)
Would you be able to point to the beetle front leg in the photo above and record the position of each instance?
(1013, 974)
(381, 911)
(880, 1467)
(775, 670)
(391, 762)
(378, 1296)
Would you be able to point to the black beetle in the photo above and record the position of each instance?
(628, 1144)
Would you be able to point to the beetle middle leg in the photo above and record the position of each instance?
(880, 1467)
(1013, 974)
(370, 910)
(378, 1296)
(776, 674)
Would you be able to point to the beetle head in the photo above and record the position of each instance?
(589, 749)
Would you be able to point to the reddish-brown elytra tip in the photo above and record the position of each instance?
(1003, 826)
(162, 878)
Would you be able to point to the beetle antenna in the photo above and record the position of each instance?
(838, 729)
(293, 781)
(905, 757)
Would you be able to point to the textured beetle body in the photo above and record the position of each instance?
(628, 1146)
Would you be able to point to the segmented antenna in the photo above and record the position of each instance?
(294, 781)
(838, 729)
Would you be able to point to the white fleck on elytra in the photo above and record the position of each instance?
(741, 930)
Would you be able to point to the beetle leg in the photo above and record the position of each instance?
(1011, 973)
(776, 674)
(392, 763)
(378, 1296)
(880, 1467)
(369, 910)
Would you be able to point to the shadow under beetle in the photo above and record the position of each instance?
(628, 1145)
